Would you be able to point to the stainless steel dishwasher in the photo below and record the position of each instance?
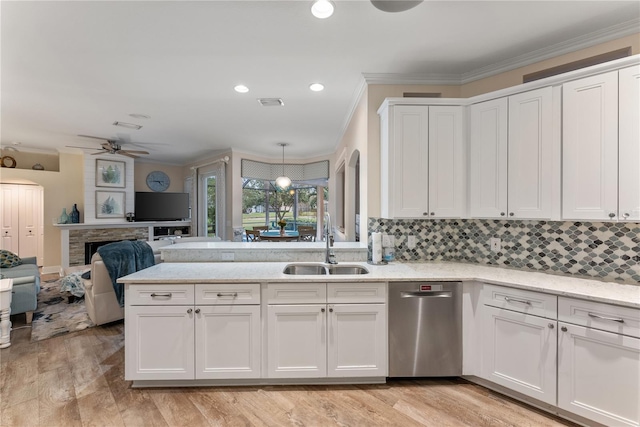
(425, 329)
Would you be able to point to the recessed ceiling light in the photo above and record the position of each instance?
(316, 87)
(322, 9)
(139, 116)
(127, 125)
(241, 89)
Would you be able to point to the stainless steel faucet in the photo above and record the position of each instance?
(330, 256)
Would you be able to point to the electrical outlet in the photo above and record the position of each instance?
(227, 256)
(411, 242)
(496, 244)
(388, 241)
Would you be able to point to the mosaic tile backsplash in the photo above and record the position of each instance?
(607, 251)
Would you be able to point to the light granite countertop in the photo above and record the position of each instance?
(266, 272)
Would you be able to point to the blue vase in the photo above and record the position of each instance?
(75, 214)
(64, 218)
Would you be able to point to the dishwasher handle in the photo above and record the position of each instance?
(427, 294)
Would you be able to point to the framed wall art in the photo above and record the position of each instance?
(110, 173)
(110, 204)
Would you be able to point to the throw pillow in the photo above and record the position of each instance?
(9, 259)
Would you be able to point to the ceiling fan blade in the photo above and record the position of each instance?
(124, 153)
(84, 148)
(94, 137)
(134, 151)
(98, 153)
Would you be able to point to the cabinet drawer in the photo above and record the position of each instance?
(530, 302)
(228, 294)
(296, 293)
(356, 292)
(597, 315)
(160, 294)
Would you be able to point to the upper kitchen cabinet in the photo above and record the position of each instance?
(511, 156)
(601, 147)
(423, 163)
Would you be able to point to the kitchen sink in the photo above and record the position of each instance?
(323, 269)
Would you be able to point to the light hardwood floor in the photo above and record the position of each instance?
(78, 380)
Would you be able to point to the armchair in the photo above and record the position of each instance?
(26, 286)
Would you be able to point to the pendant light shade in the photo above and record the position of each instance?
(283, 182)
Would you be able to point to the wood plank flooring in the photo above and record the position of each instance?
(78, 380)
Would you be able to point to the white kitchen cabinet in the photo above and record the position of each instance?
(511, 156)
(599, 375)
(339, 332)
(160, 343)
(423, 164)
(519, 352)
(186, 332)
(601, 147)
(21, 220)
(297, 341)
(629, 144)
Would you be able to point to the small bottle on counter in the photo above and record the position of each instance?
(389, 254)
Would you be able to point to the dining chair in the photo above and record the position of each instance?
(260, 227)
(252, 235)
(306, 233)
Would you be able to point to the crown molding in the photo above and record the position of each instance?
(355, 100)
(568, 46)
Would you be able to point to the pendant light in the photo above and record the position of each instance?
(283, 182)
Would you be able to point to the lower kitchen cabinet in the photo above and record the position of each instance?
(599, 375)
(159, 342)
(318, 340)
(519, 352)
(227, 341)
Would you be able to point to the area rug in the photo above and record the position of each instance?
(54, 316)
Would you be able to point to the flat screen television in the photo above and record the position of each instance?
(151, 206)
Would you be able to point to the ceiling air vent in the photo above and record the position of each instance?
(271, 102)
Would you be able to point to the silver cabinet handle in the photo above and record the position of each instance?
(564, 329)
(427, 294)
(626, 215)
(167, 295)
(521, 301)
(551, 326)
(190, 311)
(613, 319)
(197, 310)
(229, 294)
(611, 215)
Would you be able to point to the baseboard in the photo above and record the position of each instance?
(52, 269)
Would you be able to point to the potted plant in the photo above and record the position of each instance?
(282, 224)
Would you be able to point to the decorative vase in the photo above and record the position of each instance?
(282, 230)
(64, 218)
(75, 214)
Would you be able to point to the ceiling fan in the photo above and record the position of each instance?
(111, 146)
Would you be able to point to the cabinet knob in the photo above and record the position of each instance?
(190, 311)
(197, 310)
(611, 215)
(511, 214)
(433, 213)
(551, 326)
(424, 214)
(502, 214)
(563, 329)
(626, 215)
(322, 310)
(331, 310)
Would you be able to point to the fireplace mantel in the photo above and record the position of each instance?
(74, 236)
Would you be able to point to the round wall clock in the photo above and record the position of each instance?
(158, 181)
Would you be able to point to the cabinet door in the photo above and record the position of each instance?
(159, 342)
(530, 154)
(488, 159)
(297, 341)
(409, 153)
(590, 148)
(599, 375)
(629, 144)
(357, 344)
(30, 217)
(447, 168)
(228, 341)
(9, 218)
(519, 352)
